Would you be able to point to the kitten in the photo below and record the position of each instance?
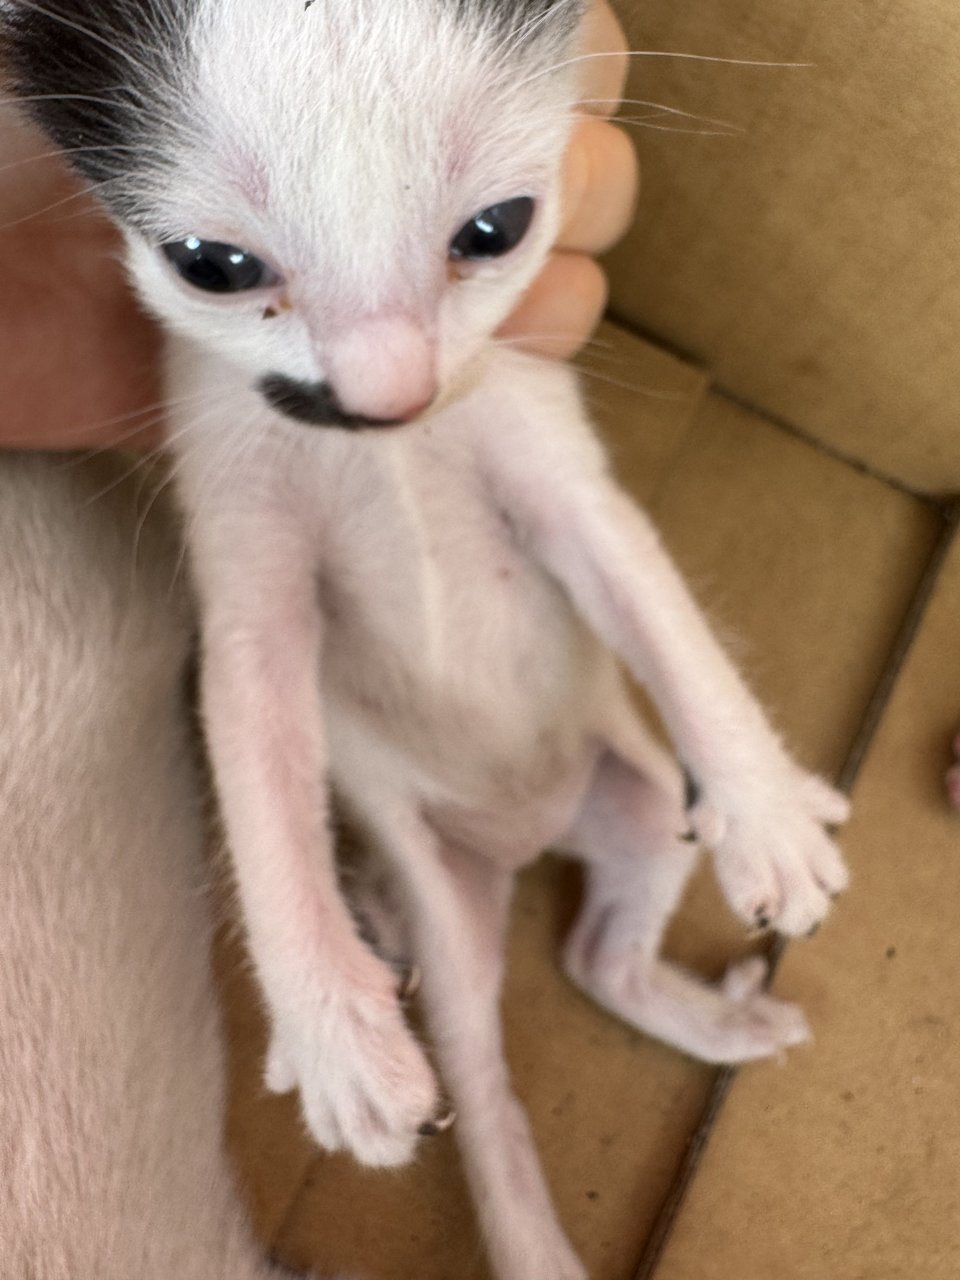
(111, 1097)
(414, 571)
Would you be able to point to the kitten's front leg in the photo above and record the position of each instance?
(761, 814)
(337, 1028)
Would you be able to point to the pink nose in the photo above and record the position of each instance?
(384, 368)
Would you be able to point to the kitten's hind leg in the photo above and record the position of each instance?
(630, 832)
(458, 906)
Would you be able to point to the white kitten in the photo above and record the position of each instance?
(333, 207)
(111, 1073)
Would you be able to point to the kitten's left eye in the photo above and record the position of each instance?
(217, 268)
(494, 231)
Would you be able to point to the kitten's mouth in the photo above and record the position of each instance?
(316, 404)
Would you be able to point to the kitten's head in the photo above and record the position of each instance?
(342, 198)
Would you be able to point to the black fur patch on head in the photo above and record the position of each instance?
(538, 18)
(103, 76)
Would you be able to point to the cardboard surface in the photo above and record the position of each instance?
(809, 259)
(810, 565)
(847, 1164)
(644, 402)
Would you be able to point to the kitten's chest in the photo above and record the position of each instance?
(416, 553)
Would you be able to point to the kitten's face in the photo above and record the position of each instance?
(343, 199)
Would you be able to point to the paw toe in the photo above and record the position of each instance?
(745, 979)
(708, 822)
(826, 803)
(803, 910)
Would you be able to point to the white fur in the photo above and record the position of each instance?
(111, 1071)
(430, 620)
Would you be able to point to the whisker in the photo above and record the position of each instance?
(151, 455)
(12, 100)
(520, 343)
(174, 466)
(664, 53)
(636, 388)
(56, 204)
(90, 34)
(606, 350)
(124, 476)
(525, 30)
(157, 489)
(663, 108)
(647, 122)
(69, 151)
(159, 409)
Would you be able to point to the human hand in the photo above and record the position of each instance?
(563, 306)
(81, 360)
(80, 365)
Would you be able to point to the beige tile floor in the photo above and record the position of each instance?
(840, 1164)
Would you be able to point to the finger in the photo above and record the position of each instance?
(601, 180)
(604, 74)
(32, 173)
(87, 357)
(561, 308)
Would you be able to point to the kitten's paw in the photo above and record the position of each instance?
(746, 1024)
(776, 863)
(365, 1083)
(731, 1023)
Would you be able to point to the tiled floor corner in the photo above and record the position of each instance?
(808, 567)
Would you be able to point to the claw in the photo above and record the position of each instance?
(410, 978)
(441, 1124)
(691, 789)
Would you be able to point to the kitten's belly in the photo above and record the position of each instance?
(504, 679)
(447, 641)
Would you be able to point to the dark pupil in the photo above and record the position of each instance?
(495, 231)
(217, 268)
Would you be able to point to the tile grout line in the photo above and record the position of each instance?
(689, 1165)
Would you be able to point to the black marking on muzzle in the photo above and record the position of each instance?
(315, 403)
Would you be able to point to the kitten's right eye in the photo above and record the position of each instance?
(494, 231)
(217, 268)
